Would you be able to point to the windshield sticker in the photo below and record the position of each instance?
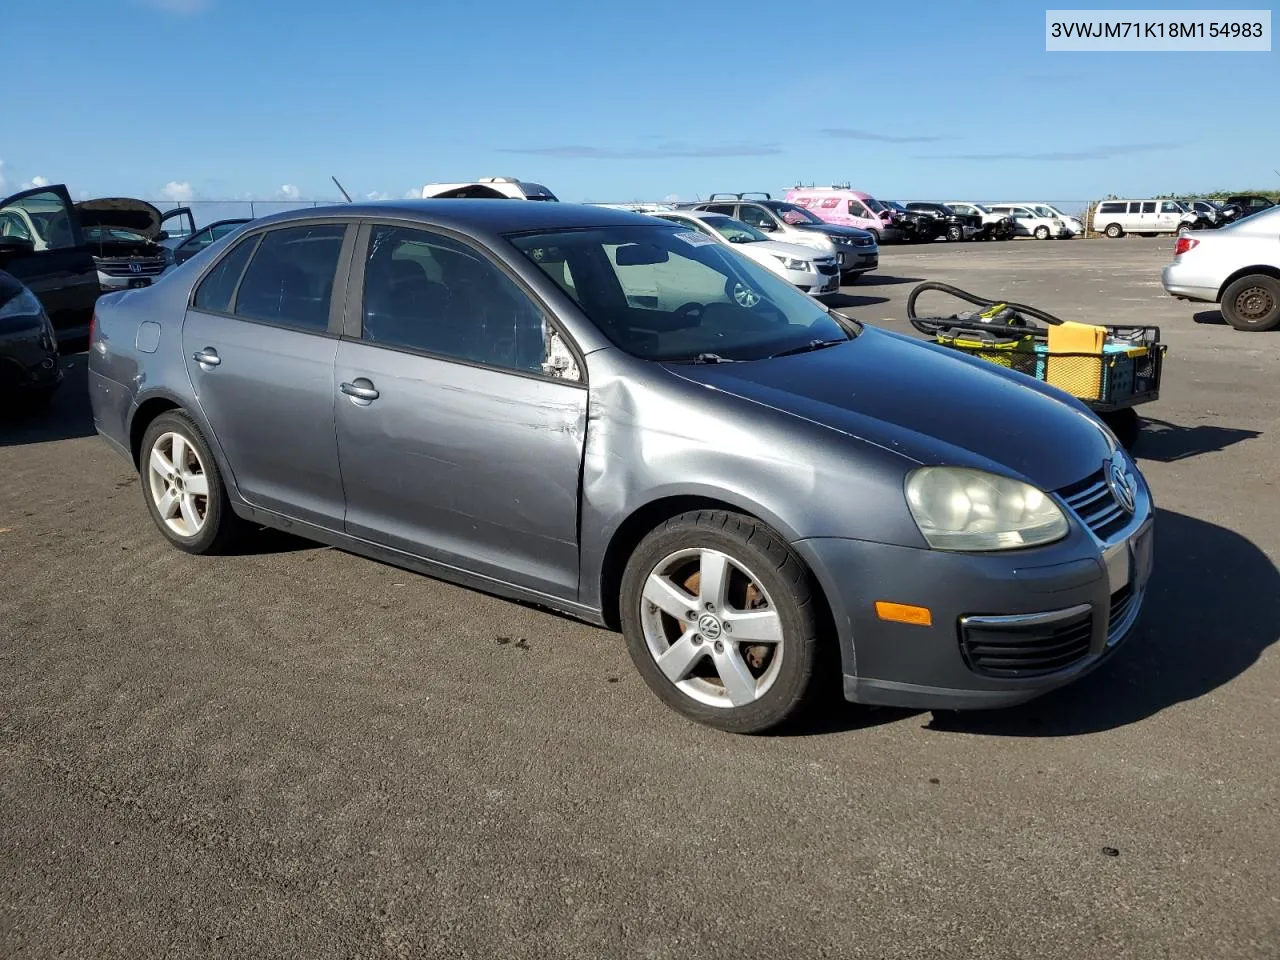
(694, 239)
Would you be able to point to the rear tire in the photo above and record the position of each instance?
(672, 610)
(1252, 303)
(1115, 231)
(183, 487)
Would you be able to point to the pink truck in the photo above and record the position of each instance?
(848, 208)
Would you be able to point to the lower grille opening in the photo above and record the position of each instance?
(1013, 649)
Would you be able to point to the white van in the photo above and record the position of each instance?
(1146, 218)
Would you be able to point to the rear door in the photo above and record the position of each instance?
(60, 269)
(460, 439)
(260, 339)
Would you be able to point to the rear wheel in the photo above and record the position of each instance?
(1114, 231)
(721, 619)
(1253, 303)
(183, 488)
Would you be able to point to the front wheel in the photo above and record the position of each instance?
(1253, 303)
(1185, 229)
(721, 619)
(1042, 233)
(183, 488)
(955, 233)
(1115, 231)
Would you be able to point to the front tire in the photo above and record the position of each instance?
(721, 619)
(183, 488)
(1115, 231)
(955, 234)
(1253, 303)
(1042, 233)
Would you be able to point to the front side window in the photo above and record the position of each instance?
(665, 293)
(218, 287)
(12, 225)
(735, 231)
(1149, 207)
(757, 216)
(790, 213)
(428, 292)
(1169, 206)
(875, 205)
(856, 209)
(289, 281)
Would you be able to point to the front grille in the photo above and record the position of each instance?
(827, 268)
(1095, 505)
(1005, 647)
(863, 241)
(122, 268)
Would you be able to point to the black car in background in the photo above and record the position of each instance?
(29, 368)
(42, 244)
(189, 246)
(950, 224)
(1249, 203)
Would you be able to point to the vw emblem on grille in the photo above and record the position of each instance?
(1121, 484)
(135, 268)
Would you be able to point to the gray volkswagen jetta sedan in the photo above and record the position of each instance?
(615, 417)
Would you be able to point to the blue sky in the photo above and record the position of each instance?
(221, 99)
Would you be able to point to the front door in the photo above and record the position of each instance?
(59, 269)
(260, 341)
(460, 440)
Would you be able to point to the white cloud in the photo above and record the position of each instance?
(179, 191)
(413, 193)
(377, 195)
(36, 181)
(290, 191)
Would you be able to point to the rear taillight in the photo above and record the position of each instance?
(1184, 245)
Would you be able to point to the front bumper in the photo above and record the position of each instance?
(1089, 591)
(858, 259)
(1180, 282)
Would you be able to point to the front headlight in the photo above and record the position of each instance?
(793, 264)
(958, 508)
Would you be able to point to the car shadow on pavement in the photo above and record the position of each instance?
(840, 301)
(1210, 316)
(1212, 609)
(66, 417)
(1167, 442)
(883, 280)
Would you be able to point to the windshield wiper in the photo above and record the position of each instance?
(702, 358)
(809, 347)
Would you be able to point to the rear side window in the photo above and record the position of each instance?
(219, 285)
(1149, 207)
(290, 278)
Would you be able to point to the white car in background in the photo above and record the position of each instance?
(487, 188)
(1237, 265)
(809, 270)
(1027, 222)
(1074, 225)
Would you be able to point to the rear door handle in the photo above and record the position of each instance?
(361, 391)
(208, 357)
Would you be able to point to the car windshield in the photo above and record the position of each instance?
(980, 207)
(1046, 211)
(101, 234)
(874, 205)
(666, 293)
(735, 231)
(793, 213)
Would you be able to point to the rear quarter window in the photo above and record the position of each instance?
(219, 285)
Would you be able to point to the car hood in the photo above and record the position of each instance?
(778, 248)
(925, 402)
(123, 212)
(833, 229)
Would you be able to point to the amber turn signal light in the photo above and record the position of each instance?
(904, 613)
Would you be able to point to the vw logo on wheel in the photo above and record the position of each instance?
(1121, 484)
(709, 627)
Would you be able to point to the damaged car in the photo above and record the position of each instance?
(124, 236)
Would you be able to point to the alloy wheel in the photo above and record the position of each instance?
(178, 483)
(712, 628)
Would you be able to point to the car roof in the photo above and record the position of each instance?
(488, 216)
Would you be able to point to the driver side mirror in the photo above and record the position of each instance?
(766, 227)
(16, 247)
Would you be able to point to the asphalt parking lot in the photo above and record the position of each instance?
(300, 753)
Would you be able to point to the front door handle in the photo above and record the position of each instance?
(361, 391)
(208, 357)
